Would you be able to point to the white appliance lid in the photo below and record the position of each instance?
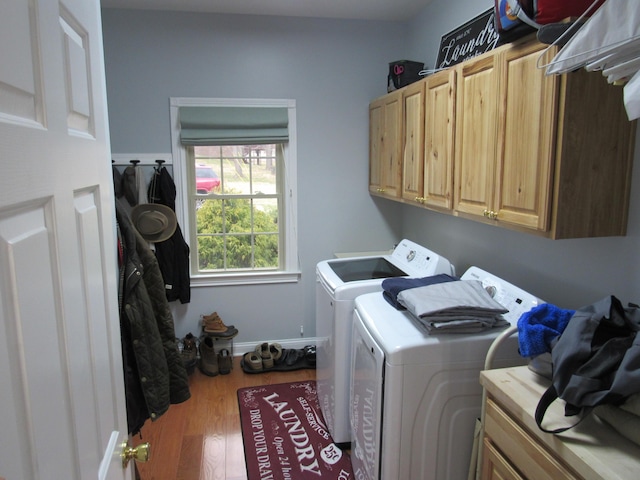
(409, 257)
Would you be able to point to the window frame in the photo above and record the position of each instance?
(290, 270)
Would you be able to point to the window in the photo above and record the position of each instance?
(237, 187)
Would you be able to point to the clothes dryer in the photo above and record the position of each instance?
(339, 282)
(415, 397)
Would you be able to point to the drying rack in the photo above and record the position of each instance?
(475, 465)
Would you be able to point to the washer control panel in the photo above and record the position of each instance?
(516, 300)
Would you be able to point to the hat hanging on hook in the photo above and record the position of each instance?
(154, 221)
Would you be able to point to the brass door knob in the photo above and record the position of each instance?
(139, 453)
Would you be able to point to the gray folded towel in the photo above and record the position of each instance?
(463, 306)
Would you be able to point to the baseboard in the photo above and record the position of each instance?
(241, 348)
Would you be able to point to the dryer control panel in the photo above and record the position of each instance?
(516, 300)
(419, 261)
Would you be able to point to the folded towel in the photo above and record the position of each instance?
(539, 327)
(391, 287)
(471, 325)
(460, 306)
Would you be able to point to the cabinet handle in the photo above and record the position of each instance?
(420, 199)
(490, 214)
(380, 190)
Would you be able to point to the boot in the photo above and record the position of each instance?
(208, 358)
(212, 317)
(217, 328)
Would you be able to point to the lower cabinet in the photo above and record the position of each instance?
(510, 452)
(514, 447)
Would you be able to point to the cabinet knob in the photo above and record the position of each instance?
(490, 214)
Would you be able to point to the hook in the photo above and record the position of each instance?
(159, 162)
(134, 162)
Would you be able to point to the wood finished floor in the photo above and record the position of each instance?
(200, 439)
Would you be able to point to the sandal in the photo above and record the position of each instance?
(276, 351)
(292, 356)
(265, 353)
(252, 362)
(310, 354)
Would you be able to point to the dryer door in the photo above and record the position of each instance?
(367, 386)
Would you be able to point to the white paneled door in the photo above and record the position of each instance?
(61, 390)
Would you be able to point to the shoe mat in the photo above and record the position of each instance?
(291, 359)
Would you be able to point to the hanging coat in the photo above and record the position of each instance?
(154, 374)
(172, 254)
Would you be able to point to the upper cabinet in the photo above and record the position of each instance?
(440, 117)
(476, 139)
(506, 145)
(413, 141)
(385, 145)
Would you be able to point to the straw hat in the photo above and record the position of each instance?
(154, 221)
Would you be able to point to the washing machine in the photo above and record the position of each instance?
(415, 396)
(339, 282)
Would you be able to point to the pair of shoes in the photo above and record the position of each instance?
(270, 353)
(214, 325)
(188, 349)
(224, 362)
(208, 358)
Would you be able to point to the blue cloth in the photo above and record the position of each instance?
(538, 327)
(391, 287)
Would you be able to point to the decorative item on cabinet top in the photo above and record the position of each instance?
(403, 73)
(475, 37)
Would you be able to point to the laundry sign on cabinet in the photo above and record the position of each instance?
(474, 38)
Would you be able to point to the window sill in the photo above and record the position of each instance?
(249, 278)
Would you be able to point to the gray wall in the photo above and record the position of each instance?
(568, 273)
(331, 68)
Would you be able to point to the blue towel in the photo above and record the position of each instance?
(538, 327)
(391, 287)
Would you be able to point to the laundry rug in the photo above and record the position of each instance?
(285, 436)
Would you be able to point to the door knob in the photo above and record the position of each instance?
(139, 453)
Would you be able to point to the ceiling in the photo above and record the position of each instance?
(390, 10)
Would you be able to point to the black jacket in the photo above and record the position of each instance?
(172, 254)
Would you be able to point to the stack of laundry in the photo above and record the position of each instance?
(448, 306)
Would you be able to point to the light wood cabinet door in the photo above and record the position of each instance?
(385, 144)
(475, 152)
(495, 466)
(526, 126)
(413, 151)
(440, 119)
